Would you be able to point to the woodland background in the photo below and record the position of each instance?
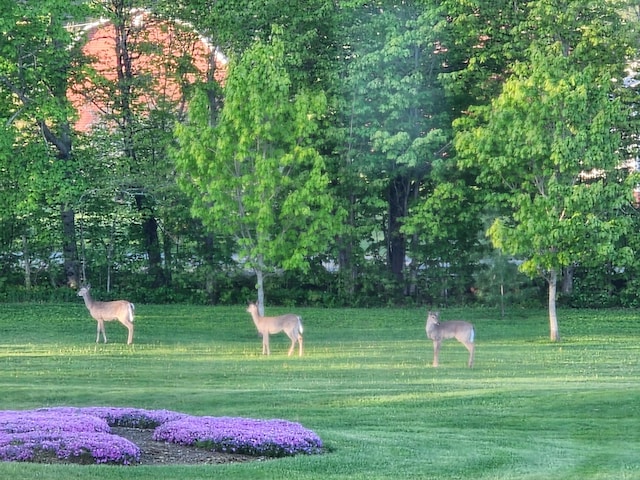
(320, 152)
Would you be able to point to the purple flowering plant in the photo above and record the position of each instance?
(83, 434)
(271, 438)
(41, 435)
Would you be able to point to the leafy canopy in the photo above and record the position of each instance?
(549, 145)
(254, 175)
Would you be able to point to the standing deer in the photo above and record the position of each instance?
(289, 324)
(120, 310)
(458, 329)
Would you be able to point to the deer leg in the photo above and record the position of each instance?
(294, 337)
(265, 344)
(436, 352)
(471, 347)
(101, 329)
(129, 326)
(300, 345)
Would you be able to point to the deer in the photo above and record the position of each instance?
(120, 310)
(458, 329)
(290, 324)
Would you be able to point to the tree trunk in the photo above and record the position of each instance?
(260, 288)
(154, 251)
(210, 279)
(412, 287)
(109, 249)
(567, 280)
(553, 315)
(151, 242)
(27, 262)
(167, 251)
(69, 246)
(214, 95)
(346, 266)
(62, 141)
(396, 246)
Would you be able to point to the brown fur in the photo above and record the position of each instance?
(458, 329)
(289, 324)
(120, 310)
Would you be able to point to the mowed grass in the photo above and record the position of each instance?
(530, 409)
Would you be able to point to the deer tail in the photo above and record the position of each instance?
(132, 308)
(300, 325)
(472, 335)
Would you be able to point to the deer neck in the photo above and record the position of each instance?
(257, 319)
(88, 301)
(432, 326)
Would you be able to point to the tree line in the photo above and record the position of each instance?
(349, 153)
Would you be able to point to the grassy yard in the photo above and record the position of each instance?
(529, 409)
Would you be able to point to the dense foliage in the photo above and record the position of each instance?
(328, 153)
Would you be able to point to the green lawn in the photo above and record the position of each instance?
(528, 410)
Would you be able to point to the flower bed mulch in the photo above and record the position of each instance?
(153, 452)
(136, 436)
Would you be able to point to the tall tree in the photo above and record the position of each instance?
(21, 204)
(36, 63)
(144, 66)
(255, 176)
(393, 114)
(548, 147)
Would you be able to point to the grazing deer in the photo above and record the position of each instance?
(289, 324)
(120, 310)
(438, 331)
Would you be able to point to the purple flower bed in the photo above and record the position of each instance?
(37, 435)
(83, 435)
(77, 447)
(121, 417)
(272, 438)
(32, 420)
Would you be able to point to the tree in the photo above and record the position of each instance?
(445, 227)
(36, 62)
(547, 149)
(20, 202)
(253, 175)
(138, 86)
(394, 118)
(477, 42)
